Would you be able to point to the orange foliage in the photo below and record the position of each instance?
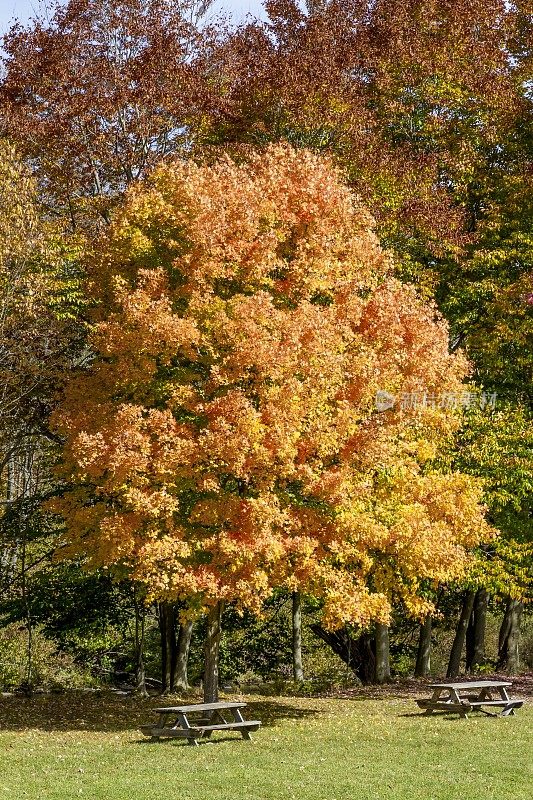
(225, 440)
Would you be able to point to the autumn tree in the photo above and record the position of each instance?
(101, 91)
(39, 301)
(486, 298)
(410, 97)
(225, 440)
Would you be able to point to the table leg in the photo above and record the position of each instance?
(160, 724)
(504, 694)
(183, 721)
(238, 717)
(184, 724)
(212, 719)
(455, 698)
(488, 693)
(435, 697)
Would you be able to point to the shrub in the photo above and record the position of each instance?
(51, 669)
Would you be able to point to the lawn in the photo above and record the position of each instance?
(86, 745)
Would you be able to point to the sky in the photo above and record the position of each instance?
(23, 10)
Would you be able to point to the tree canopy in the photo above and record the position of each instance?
(226, 440)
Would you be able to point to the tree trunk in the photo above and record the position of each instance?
(454, 665)
(423, 657)
(140, 674)
(513, 640)
(470, 641)
(212, 647)
(358, 654)
(297, 664)
(509, 638)
(27, 684)
(475, 635)
(382, 654)
(10, 543)
(25, 493)
(181, 682)
(167, 628)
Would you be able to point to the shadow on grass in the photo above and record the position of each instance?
(106, 712)
(451, 716)
(182, 742)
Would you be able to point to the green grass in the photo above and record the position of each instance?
(78, 745)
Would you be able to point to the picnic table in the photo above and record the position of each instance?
(470, 696)
(200, 720)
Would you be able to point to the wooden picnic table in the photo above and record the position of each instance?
(470, 696)
(199, 720)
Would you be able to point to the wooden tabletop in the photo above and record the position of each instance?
(471, 685)
(199, 707)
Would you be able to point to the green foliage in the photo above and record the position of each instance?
(51, 669)
(259, 650)
(85, 616)
(497, 445)
(75, 606)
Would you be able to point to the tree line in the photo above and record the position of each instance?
(219, 247)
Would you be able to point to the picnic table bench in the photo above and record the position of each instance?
(470, 696)
(175, 722)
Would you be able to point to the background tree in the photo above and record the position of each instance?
(408, 97)
(498, 446)
(39, 301)
(101, 92)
